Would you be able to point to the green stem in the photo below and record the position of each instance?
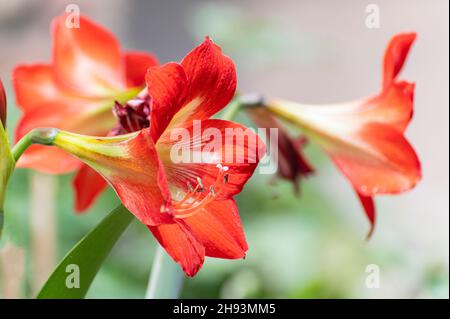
(20, 147)
(44, 136)
(166, 278)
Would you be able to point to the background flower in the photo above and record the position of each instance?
(365, 138)
(76, 92)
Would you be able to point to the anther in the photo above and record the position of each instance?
(196, 198)
(200, 183)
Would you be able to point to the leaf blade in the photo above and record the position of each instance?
(88, 254)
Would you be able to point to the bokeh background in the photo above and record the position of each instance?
(310, 246)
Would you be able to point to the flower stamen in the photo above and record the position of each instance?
(196, 198)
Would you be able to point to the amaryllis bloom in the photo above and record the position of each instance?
(365, 138)
(76, 91)
(291, 163)
(187, 204)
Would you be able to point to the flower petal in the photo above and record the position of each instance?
(181, 245)
(380, 161)
(194, 152)
(88, 185)
(87, 58)
(136, 66)
(131, 166)
(394, 106)
(395, 56)
(218, 227)
(369, 208)
(167, 86)
(42, 158)
(73, 116)
(50, 160)
(211, 83)
(35, 85)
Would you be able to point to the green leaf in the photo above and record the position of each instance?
(73, 276)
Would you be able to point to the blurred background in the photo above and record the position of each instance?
(309, 246)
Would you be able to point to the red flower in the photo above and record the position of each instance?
(187, 204)
(76, 92)
(366, 138)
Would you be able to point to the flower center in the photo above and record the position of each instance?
(132, 116)
(198, 196)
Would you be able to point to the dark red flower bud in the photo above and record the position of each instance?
(133, 116)
(2, 105)
(292, 164)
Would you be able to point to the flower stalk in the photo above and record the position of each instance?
(166, 277)
(43, 136)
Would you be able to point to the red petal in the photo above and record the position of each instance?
(167, 86)
(87, 58)
(136, 66)
(131, 166)
(70, 116)
(88, 185)
(395, 56)
(369, 208)
(2, 104)
(181, 245)
(211, 83)
(35, 85)
(218, 227)
(50, 160)
(48, 105)
(394, 106)
(387, 164)
(45, 158)
(201, 153)
(139, 180)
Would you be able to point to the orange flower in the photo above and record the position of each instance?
(187, 204)
(365, 138)
(76, 92)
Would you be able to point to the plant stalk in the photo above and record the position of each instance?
(43, 227)
(166, 278)
(44, 136)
